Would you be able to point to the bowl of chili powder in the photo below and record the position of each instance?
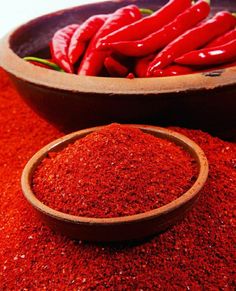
(116, 182)
(73, 102)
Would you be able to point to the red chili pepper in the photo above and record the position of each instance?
(60, 44)
(192, 39)
(141, 65)
(165, 35)
(210, 56)
(175, 70)
(147, 25)
(83, 34)
(229, 36)
(93, 59)
(115, 68)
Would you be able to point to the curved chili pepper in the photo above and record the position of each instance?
(93, 59)
(141, 65)
(60, 44)
(210, 56)
(165, 35)
(192, 39)
(48, 64)
(231, 35)
(83, 34)
(147, 25)
(115, 68)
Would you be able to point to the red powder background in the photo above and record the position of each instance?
(198, 253)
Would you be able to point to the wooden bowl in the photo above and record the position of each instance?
(203, 101)
(120, 228)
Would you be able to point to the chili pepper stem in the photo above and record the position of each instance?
(234, 14)
(45, 62)
(146, 11)
(207, 1)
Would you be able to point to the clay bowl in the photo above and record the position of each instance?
(120, 228)
(204, 101)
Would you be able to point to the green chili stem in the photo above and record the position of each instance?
(146, 11)
(207, 1)
(44, 62)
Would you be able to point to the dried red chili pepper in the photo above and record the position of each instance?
(192, 39)
(115, 68)
(59, 46)
(229, 36)
(210, 56)
(83, 34)
(147, 25)
(93, 59)
(165, 35)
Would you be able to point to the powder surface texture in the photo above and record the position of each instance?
(116, 171)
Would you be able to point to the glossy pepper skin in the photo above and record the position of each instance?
(175, 70)
(83, 35)
(147, 25)
(59, 47)
(165, 35)
(93, 59)
(142, 64)
(210, 56)
(115, 68)
(223, 39)
(191, 40)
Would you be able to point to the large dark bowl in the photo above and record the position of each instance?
(205, 100)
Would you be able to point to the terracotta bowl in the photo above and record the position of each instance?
(205, 100)
(120, 228)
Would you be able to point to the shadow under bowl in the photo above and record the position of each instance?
(124, 228)
(204, 100)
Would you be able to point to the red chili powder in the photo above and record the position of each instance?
(196, 254)
(116, 171)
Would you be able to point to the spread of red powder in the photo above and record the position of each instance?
(116, 171)
(196, 254)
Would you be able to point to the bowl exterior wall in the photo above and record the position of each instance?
(212, 110)
(119, 232)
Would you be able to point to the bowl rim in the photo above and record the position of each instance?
(168, 134)
(16, 66)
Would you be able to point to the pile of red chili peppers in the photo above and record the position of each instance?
(113, 172)
(196, 254)
(177, 39)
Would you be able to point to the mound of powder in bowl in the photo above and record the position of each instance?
(116, 171)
